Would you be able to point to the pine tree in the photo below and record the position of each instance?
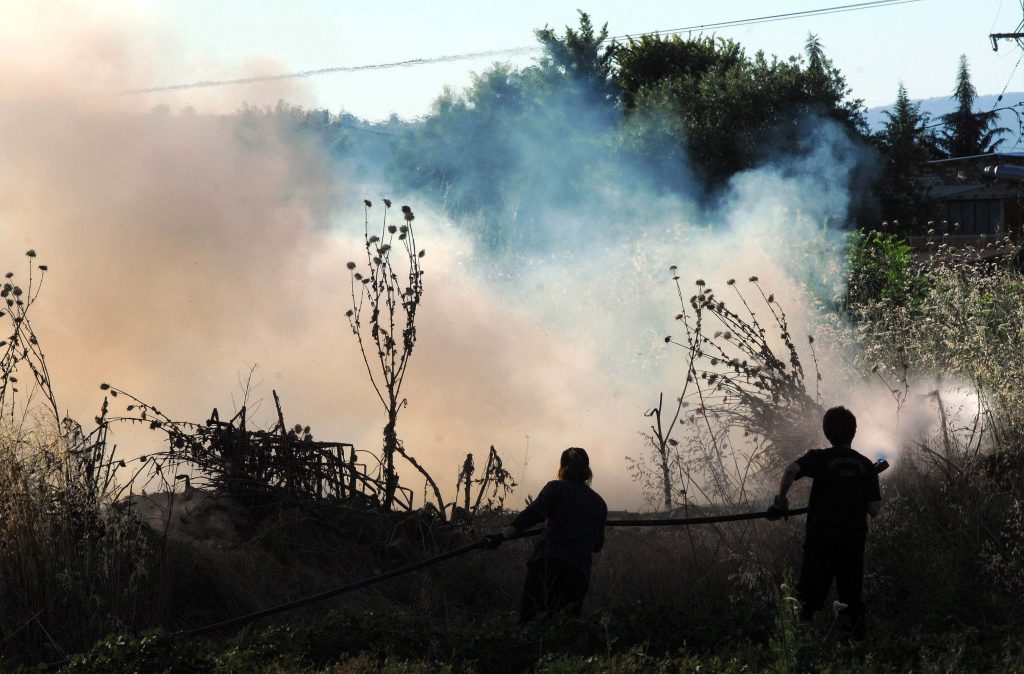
(967, 132)
(907, 144)
(583, 57)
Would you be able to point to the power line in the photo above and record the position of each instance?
(1008, 80)
(839, 9)
(324, 71)
(514, 51)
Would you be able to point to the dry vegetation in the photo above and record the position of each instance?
(945, 562)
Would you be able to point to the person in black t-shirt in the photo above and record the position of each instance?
(844, 493)
(558, 573)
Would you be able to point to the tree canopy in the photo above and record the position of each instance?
(907, 143)
(967, 132)
(684, 113)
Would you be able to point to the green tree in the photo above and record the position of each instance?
(967, 132)
(882, 274)
(730, 112)
(907, 144)
(645, 62)
(581, 58)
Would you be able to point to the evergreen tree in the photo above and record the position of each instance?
(580, 58)
(969, 133)
(907, 144)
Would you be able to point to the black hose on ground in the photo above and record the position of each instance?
(408, 568)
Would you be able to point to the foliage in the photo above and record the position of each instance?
(962, 327)
(581, 59)
(735, 383)
(882, 273)
(645, 61)
(496, 483)
(967, 132)
(69, 567)
(339, 642)
(907, 143)
(520, 148)
(730, 111)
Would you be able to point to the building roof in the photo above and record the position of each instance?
(992, 156)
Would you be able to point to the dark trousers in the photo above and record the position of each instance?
(842, 559)
(552, 585)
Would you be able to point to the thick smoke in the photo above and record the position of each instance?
(185, 247)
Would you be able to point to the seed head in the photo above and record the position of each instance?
(366, 202)
(31, 253)
(387, 203)
(753, 279)
(351, 265)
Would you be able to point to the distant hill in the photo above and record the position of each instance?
(941, 105)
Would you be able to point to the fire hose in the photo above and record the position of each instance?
(402, 570)
(457, 552)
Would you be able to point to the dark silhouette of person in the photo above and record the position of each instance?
(558, 572)
(843, 493)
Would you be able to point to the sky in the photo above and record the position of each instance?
(918, 43)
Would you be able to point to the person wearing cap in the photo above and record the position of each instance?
(844, 492)
(558, 571)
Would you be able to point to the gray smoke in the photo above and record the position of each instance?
(186, 246)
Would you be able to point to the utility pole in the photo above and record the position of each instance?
(1016, 36)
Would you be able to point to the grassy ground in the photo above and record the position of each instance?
(708, 599)
(604, 642)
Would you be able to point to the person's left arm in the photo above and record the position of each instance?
(536, 512)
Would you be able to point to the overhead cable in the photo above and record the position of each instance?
(513, 51)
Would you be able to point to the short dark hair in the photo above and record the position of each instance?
(575, 465)
(839, 425)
